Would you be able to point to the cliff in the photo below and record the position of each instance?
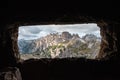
(60, 46)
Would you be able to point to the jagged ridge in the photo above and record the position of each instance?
(62, 45)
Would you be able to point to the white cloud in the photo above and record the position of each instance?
(37, 31)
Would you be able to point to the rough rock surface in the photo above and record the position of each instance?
(10, 73)
(110, 40)
(64, 68)
(109, 45)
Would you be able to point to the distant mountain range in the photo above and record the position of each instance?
(62, 45)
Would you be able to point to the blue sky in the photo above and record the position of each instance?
(37, 31)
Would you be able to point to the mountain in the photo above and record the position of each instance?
(62, 45)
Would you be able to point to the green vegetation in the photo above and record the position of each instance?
(54, 47)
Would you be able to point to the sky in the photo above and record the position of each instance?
(37, 31)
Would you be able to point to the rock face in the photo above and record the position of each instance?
(89, 38)
(61, 45)
(10, 73)
(9, 34)
(66, 35)
(63, 68)
(27, 46)
(110, 40)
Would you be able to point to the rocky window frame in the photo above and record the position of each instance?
(108, 47)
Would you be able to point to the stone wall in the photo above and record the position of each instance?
(10, 73)
(109, 32)
(9, 47)
(110, 40)
(110, 49)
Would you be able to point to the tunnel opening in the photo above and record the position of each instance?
(59, 41)
(107, 58)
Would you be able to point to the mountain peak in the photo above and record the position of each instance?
(60, 45)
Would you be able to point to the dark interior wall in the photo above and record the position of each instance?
(109, 32)
(46, 10)
(34, 12)
(109, 44)
(56, 69)
(9, 54)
